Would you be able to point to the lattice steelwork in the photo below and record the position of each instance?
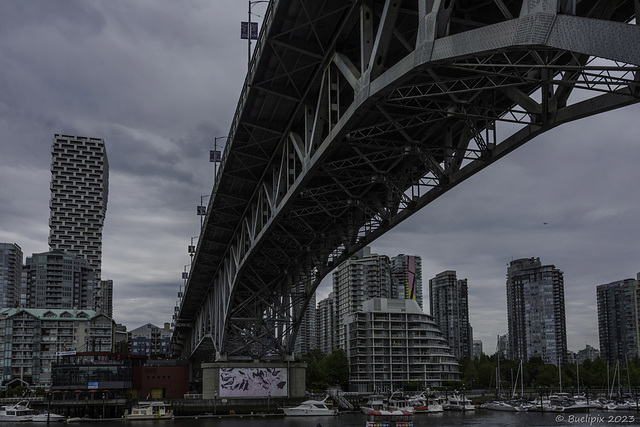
(356, 114)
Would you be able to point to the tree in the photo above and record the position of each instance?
(335, 369)
(314, 377)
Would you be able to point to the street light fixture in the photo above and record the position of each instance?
(202, 209)
(192, 248)
(215, 156)
(249, 31)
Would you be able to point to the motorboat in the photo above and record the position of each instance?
(390, 418)
(419, 403)
(501, 405)
(620, 406)
(457, 402)
(17, 412)
(310, 408)
(375, 402)
(559, 404)
(398, 402)
(428, 403)
(150, 411)
(44, 417)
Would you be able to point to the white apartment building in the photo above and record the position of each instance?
(34, 339)
(356, 280)
(392, 342)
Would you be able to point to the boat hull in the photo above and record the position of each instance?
(293, 412)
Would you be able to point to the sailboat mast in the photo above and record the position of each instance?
(560, 374)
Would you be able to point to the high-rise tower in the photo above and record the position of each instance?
(326, 325)
(536, 311)
(10, 275)
(59, 280)
(79, 194)
(618, 326)
(449, 304)
(360, 278)
(406, 271)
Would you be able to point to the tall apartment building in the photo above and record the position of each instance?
(502, 346)
(79, 195)
(536, 311)
(104, 298)
(10, 275)
(59, 280)
(618, 326)
(362, 277)
(306, 339)
(477, 348)
(406, 271)
(326, 325)
(35, 338)
(449, 304)
(392, 342)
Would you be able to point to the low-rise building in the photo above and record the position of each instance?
(392, 343)
(160, 379)
(150, 340)
(120, 375)
(35, 338)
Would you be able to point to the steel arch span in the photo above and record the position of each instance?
(355, 115)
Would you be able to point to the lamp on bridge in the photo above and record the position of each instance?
(192, 248)
(249, 30)
(215, 156)
(202, 209)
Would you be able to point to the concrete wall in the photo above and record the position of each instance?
(294, 388)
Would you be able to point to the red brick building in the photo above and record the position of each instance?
(161, 379)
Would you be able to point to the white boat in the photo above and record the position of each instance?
(426, 403)
(150, 411)
(18, 412)
(44, 417)
(375, 402)
(398, 402)
(458, 402)
(620, 406)
(310, 408)
(500, 405)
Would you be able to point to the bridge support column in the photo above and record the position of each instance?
(251, 380)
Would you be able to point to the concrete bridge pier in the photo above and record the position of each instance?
(253, 380)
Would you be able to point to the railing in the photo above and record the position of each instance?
(337, 397)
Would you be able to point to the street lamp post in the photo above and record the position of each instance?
(202, 210)
(192, 248)
(249, 31)
(49, 396)
(216, 157)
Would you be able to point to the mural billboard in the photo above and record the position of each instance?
(253, 382)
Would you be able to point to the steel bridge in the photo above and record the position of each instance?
(355, 114)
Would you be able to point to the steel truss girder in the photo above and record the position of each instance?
(362, 113)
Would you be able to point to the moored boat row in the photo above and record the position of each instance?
(21, 412)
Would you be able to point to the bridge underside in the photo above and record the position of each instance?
(355, 115)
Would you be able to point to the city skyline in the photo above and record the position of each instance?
(159, 81)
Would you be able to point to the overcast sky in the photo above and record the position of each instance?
(159, 79)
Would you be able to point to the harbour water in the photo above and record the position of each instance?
(446, 419)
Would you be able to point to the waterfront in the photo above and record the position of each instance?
(446, 419)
